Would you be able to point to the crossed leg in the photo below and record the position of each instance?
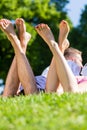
(22, 65)
(63, 72)
(12, 80)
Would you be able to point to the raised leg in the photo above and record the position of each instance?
(24, 38)
(12, 80)
(63, 44)
(52, 74)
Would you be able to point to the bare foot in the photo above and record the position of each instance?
(63, 34)
(7, 27)
(44, 31)
(23, 35)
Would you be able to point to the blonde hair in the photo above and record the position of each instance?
(72, 52)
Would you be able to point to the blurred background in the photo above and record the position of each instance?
(50, 12)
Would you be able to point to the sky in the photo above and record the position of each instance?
(75, 8)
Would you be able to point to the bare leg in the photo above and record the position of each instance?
(63, 44)
(24, 70)
(12, 80)
(52, 75)
(23, 36)
(62, 40)
(66, 77)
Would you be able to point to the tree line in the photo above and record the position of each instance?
(34, 12)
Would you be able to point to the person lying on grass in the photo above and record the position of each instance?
(60, 74)
(20, 71)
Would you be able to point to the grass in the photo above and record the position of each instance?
(44, 112)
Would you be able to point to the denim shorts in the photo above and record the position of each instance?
(40, 83)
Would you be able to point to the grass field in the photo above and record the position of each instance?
(44, 112)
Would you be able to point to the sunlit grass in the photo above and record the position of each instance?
(44, 112)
